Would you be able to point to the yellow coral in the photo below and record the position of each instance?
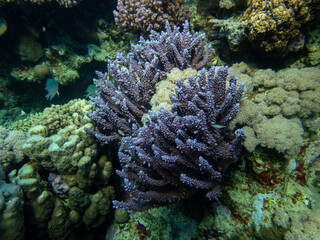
(273, 24)
(56, 117)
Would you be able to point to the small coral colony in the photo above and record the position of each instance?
(201, 122)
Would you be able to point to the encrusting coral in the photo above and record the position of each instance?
(54, 118)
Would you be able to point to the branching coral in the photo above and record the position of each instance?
(175, 153)
(144, 16)
(179, 153)
(136, 75)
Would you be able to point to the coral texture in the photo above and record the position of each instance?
(176, 154)
(274, 26)
(11, 154)
(125, 91)
(144, 16)
(277, 106)
(64, 169)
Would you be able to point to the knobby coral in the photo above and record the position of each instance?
(274, 26)
(179, 152)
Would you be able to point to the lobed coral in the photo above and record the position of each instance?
(76, 185)
(144, 16)
(274, 26)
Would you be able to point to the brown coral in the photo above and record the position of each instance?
(64, 3)
(143, 16)
(273, 26)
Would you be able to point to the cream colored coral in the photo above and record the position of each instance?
(163, 88)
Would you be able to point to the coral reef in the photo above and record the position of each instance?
(176, 154)
(118, 112)
(274, 26)
(51, 214)
(194, 136)
(158, 223)
(60, 63)
(313, 38)
(76, 186)
(64, 183)
(144, 16)
(282, 210)
(274, 99)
